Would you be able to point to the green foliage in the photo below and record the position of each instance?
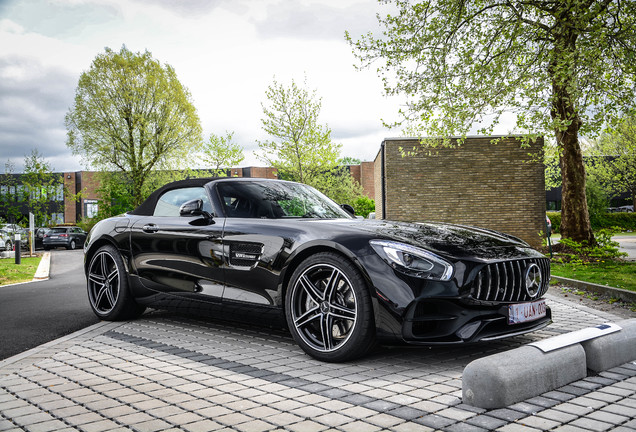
(615, 161)
(349, 160)
(562, 68)
(220, 152)
(621, 221)
(597, 201)
(339, 185)
(363, 205)
(41, 186)
(300, 148)
(604, 249)
(9, 194)
(87, 223)
(132, 115)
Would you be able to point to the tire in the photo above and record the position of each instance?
(72, 245)
(107, 284)
(328, 309)
(8, 246)
(47, 248)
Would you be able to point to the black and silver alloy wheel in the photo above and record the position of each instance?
(328, 309)
(103, 283)
(108, 286)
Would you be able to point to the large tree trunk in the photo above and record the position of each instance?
(575, 217)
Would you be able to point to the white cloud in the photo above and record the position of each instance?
(225, 52)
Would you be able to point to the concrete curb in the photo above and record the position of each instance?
(503, 379)
(613, 349)
(625, 295)
(43, 268)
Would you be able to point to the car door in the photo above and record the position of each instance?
(180, 255)
(253, 240)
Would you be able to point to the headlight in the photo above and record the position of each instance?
(413, 261)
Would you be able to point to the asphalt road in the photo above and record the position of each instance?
(37, 312)
(627, 244)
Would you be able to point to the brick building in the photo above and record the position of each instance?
(497, 186)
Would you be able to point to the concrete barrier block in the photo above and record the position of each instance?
(509, 377)
(613, 349)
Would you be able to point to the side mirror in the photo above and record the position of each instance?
(194, 208)
(348, 209)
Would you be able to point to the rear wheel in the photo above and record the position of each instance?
(108, 291)
(8, 246)
(72, 245)
(328, 309)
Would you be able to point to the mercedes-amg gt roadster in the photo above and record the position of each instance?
(281, 253)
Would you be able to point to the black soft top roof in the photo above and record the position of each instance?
(147, 207)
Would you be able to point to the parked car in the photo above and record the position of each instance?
(6, 243)
(70, 237)
(281, 252)
(38, 237)
(24, 238)
(11, 227)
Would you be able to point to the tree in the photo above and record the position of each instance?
(614, 163)
(350, 160)
(220, 152)
(301, 148)
(8, 194)
(563, 67)
(40, 186)
(131, 114)
(339, 185)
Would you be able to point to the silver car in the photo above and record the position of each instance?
(5, 240)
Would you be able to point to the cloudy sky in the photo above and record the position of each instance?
(226, 52)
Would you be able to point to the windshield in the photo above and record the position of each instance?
(276, 200)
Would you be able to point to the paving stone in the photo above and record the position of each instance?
(356, 426)
(333, 419)
(435, 421)
(283, 419)
(607, 417)
(307, 426)
(485, 421)
(464, 427)
(386, 421)
(516, 427)
(591, 424)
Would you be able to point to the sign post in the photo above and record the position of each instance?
(31, 232)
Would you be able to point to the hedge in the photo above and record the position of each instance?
(625, 221)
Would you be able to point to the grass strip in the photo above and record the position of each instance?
(608, 273)
(11, 273)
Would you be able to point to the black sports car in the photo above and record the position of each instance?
(277, 251)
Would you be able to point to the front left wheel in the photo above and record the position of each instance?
(107, 284)
(328, 309)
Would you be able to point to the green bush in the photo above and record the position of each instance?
(622, 221)
(363, 205)
(555, 218)
(580, 253)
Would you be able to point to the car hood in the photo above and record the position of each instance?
(448, 240)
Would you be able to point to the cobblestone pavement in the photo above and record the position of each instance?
(164, 372)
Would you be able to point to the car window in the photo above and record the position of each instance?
(269, 200)
(58, 230)
(170, 202)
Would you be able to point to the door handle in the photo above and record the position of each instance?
(150, 228)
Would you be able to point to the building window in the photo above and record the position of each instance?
(91, 207)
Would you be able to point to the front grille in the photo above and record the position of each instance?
(506, 281)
